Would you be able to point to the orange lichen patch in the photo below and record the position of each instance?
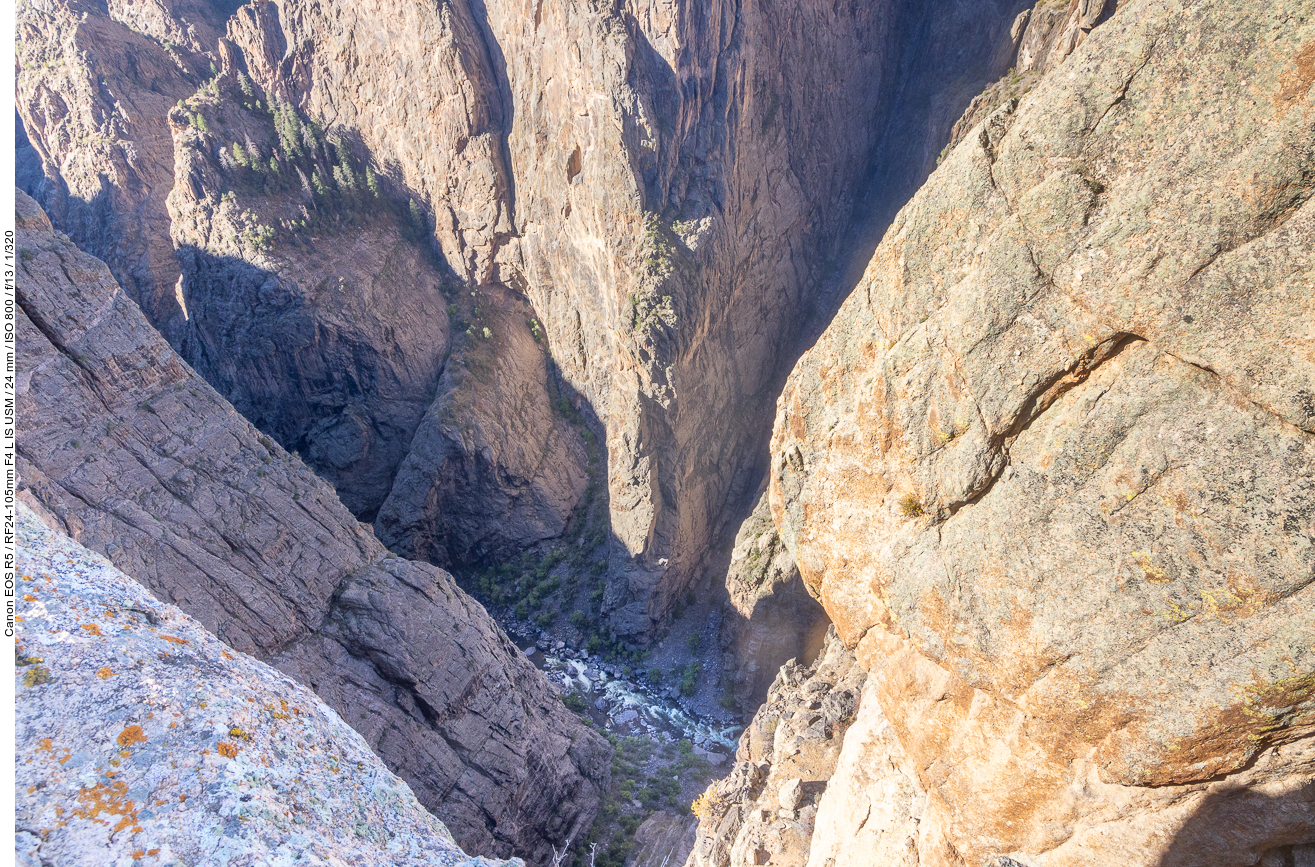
(45, 744)
(227, 655)
(182, 798)
(152, 852)
(175, 640)
(104, 672)
(92, 628)
(111, 799)
(28, 597)
(227, 750)
(131, 735)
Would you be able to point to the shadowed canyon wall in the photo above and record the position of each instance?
(673, 188)
(125, 448)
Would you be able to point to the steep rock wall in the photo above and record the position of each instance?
(765, 811)
(95, 85)
(320, 315)
(128, 450)
(1049, 469)
(770, 616)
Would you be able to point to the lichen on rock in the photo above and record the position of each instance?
(151, 739)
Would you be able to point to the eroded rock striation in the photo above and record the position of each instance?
(1050, 468)
(142, 735)
(127, 449)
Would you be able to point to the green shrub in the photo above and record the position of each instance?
(910, 507)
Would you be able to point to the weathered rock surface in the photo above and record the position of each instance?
(134, 455)
(95, 86)
(764, 811)
(494, 466)
(1042, 38)
(329, 337)
(772, 619)
(139, 734)
(1050, 469)
(664, 840)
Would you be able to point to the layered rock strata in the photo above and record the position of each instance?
(140, 735)
(1049, 470)
(128, 450)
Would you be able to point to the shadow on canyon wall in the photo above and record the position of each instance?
(1220, 829)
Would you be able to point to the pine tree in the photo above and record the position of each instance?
(372, 181)
(239, 154)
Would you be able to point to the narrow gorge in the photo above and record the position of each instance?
(808, 433)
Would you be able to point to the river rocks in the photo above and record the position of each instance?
(1049, 468)
(134, 455)
(139, 734)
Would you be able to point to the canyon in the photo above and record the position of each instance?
(942, 371)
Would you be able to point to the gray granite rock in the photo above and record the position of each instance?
(1051, 468)
(142, 738)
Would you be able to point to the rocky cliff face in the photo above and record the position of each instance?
(142, 735)
(765, 811)
(1049, 468)
(770, 617)
(127, 449)
(94, 89)
(670, 185)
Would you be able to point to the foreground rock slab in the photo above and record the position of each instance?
(142, 736)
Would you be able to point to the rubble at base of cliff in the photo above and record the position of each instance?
(764, 810)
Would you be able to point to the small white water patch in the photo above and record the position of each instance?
(624, 706)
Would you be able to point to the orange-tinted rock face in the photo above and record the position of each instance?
(1050, 467)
